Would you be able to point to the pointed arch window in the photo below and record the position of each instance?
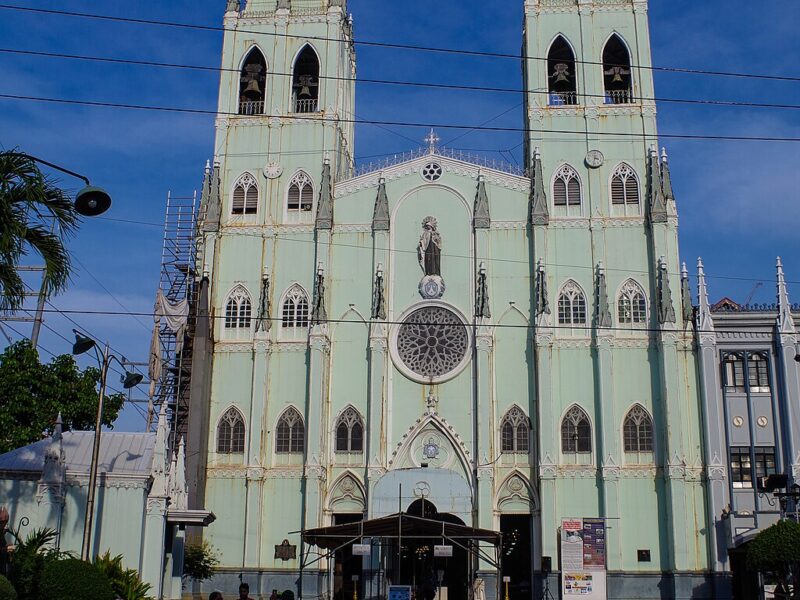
(571, 305)
(625, 190)
(230, 432)
(238, 312)
(561, 74)
(245, 196)
(294, 313)
(300, 197)
(637, 430)
(253, 84)
(290, 433)
(617, 72)
(632, 306)
(567, 192)
(515, 432)
(350, 431)
(305, 82)
(576, 432)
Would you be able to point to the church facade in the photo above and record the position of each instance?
(509, 349)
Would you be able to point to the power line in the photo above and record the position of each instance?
(298, 117)
(358, 42)
(577, 327)
(421, 84)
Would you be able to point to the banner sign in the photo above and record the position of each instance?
(445, 551)
(361, 550)
(583, 558)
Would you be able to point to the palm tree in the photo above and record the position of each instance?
(34, 214)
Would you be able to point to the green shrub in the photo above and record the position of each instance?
(199, 561)
(7, 591)
(29, 560)
(73, 579)
(126, 583)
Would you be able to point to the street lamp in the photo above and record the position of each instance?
(91, 201)
(82, 345)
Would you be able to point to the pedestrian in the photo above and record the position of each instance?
(215, 596)
(244, 591)
(274, 595)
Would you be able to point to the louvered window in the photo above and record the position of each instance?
(624, 186)
(300, 197)
(566, 187)
(245, 196)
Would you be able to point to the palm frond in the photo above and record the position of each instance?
(12, 288)
(57, 262)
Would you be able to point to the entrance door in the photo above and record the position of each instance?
(517, 555)
(345, 565)
(430, 576)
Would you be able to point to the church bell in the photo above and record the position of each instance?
(253, 90)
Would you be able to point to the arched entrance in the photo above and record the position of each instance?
(443, 578)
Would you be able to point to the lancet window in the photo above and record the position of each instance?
(300, 197)
(571, 305)
(245, 196)
(561, 74)
(637, 430)
(350, 431)
(305, 82)
(515, 431)
(567, 192)
(625, 190)
(238, 311)
(253, 84)
(632, 306)
(576, 432)
(294, 314)
(290, 433)
(230, 432)
(617, 73)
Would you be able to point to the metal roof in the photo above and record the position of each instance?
(120, 453)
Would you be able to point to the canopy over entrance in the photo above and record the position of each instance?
(398, 525)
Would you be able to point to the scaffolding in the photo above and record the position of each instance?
(177, 284)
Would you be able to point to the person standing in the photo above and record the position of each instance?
(244, 591)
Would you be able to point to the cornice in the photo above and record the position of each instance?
(290, 346)
(507, 225)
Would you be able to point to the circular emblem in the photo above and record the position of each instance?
(595, 159)
(430, 449)
(432, 171)
(738, 421)
(762, 421)
(431, 344)
(516, 485)
(272, 170)
(431, 287)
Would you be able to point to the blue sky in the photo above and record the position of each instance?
(738, 201)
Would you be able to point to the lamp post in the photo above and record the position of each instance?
(84, 344)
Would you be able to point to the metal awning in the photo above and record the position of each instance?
(199, 518)
(398, 525)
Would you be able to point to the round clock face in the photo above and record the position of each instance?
(594, 159)
(272, 170)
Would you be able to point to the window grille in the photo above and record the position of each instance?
(295, 309)
(624, 186)
(632, 306)
(638, 431)
(571, 305)
(566, 187)
(758, 373)
(350, 431)
(734, 372)
(300, 197)
(741, 468)
(576, 432)
(238, 310)
(245, 196)
(765, 461)
(230, 433)
(515, 431)
(290, 433)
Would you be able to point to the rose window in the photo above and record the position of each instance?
(432, 342)
(432, 171)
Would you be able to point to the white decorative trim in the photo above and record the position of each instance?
(547, 468)
(636, 221)
(569, 223)
(284, 473)
(290, 346)
(485, 473)
(578, 342)
(232, 472)
(353, 228)
(577, 471)
(506, 225)
(224, 347)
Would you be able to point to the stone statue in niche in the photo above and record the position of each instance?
(429, 253)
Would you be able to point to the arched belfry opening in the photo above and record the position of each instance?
(253, 84)
(561, 74)
(305, 82)
(617, 73)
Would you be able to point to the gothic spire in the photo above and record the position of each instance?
(481, 217)
(211, 199)
(669, 195)
(603, 310)
(158, 470)
(657, 203)
(539, 212)
(705, 322)
(232, 6)
(53, 470)
(666, 311)
(380, 216)
(178, 490)
(785, 319)
(325, 209)
(686, 296)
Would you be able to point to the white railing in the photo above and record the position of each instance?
(467, 157)
(619, 97)
(251, 107)
(562, 98)
(306, 105)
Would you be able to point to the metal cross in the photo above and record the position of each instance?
(432, 140)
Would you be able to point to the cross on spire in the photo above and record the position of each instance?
(432, 140)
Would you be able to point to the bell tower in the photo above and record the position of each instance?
(603, 223)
